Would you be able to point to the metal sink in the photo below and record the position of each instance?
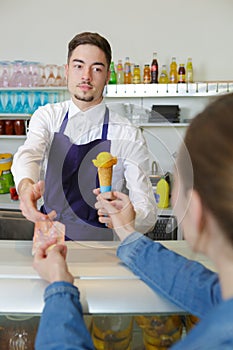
(13, 225)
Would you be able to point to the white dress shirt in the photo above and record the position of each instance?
(130, 174)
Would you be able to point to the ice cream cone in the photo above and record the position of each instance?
(105, 179)
(104, 162)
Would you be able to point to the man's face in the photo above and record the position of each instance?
(87, 74)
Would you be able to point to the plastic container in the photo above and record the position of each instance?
(6, 177)
(162, 193)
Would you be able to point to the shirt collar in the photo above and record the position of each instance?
(93, 112)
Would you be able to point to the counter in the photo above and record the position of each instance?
(7, 203)
(106, 285)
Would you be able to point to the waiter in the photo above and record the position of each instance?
(63, 139)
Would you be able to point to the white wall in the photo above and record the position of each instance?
(202, 29)
(40, 31)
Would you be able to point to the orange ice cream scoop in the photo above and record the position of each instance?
(104, 162)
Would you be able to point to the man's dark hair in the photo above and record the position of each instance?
(91, 39)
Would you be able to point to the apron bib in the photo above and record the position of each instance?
(69, 181)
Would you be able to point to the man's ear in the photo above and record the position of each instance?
(108, 77)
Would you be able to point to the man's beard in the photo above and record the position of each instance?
(83, 98)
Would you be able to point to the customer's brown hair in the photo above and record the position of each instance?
(91, 39)
(209, 142)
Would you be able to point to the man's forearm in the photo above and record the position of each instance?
(23, 185)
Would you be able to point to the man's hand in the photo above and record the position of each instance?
(50, 262)
(29, 193)
(109, 196)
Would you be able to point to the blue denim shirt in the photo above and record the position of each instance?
(62, 326)
(186, 283)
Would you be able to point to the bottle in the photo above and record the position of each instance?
(132, 71)
(189, 71)
(173, 71)
(112, 79)
(146, 74)
(127, 71)
(163, 79)
(158, 331)
(154, 69)
(162, 193)
(181, 73)
(136, 74)
(120, 72)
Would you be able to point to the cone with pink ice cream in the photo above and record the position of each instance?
(104, 162)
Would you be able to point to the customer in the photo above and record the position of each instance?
(61, 300)
(203, 203)
(63, 139)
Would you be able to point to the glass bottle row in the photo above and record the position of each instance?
(131, 73)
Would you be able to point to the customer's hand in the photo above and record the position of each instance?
(50, 262)
(29, 193)
(116, 206)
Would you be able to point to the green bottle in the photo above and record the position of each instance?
(113, 78)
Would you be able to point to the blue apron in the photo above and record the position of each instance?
(69, 181)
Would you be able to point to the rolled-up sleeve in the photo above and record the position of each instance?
(131, 173)
(28, 161)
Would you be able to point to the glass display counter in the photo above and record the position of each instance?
(108, 290)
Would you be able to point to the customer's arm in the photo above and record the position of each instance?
(61, 326)
(186, 283)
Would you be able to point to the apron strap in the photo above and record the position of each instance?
(64, 123)
(105, 125)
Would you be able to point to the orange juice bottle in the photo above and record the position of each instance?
(136, 74)
(146, 74)
(173, 71)
(127, 71)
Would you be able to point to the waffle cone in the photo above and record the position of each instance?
(105, 176)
